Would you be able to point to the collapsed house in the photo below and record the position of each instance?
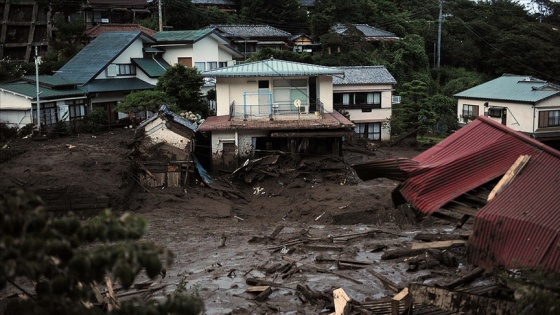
(165, 144)
(509, 183)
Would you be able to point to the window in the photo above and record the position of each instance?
(367, 100)
(371, 131)
(222, 64)
(470, 110)
(200, 66)
(48, 113)
(286, 91)
(76, 108)
(495, 112)
(126, 69)
(212, 65)
(549, 118)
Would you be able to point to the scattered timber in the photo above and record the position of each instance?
(475, 273)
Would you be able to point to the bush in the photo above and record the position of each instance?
(94, 121)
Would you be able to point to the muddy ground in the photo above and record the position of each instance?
(220, 240)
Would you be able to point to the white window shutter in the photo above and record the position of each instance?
(112, 70)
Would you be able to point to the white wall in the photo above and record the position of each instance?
(243, 140)
(230, 90)
(158, 132)
(132, 51)
(519, 115)
(15, 110)
(172, 53)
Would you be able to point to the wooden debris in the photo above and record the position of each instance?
(276, 231)
(386, 282)
(321, 269)
(342, 301)
(437, 244)
(312, 296)
(509, 175)
(401, 252)
(396, 301)
(263, 292)
(323, 247)
(475, 273)
(460, 302)
(440, 237)
(351, 264)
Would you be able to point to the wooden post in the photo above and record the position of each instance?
(509, 175)
(396, 301)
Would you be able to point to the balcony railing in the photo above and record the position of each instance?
(260, 105)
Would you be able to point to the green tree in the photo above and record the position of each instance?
(286, 15)
(183, 84)
(64, 258)
(140, 101)
(414, 112)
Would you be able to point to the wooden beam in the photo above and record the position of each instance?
(509, 175)
(396, 301)
(437, 244)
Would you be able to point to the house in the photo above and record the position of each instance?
(96, 12)
(165, 142)
(98, 29)
(365, 95)
(523, 103)
(113, 65)
(59, 100)
(507, 181)
(273, 105)
(304, 43)
(204, 49)
(249, 39)
(369, 33)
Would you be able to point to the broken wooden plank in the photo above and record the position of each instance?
(321, 269)
(342, 301)
(263, 292)
(440, 237)
(386, 282)
(437, 244)
(323, 247)
(475, 273)
(276, 231)
(396, 301)
(510, 175)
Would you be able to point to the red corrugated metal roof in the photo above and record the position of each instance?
(95, 31)
(520, 226)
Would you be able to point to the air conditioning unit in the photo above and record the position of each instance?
(303, 109)
(395, 99)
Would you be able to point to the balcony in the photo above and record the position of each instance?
(260, 106)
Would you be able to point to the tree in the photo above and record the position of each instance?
(286, 15)
(414, 112)
(183, 84)
(140, 101)
(65, 258)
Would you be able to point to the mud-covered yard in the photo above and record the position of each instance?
(303, 232)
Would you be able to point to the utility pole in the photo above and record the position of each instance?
(160, 16)
(440, 19)
(38, 101)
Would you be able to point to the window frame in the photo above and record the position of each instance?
(125, 69)
(546, 120)
(369, 130)
(358, 100)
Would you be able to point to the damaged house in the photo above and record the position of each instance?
(165, 143)
(507, 181)
(273, 105)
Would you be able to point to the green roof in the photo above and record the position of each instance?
(154, 68)
(512, 88)
(117, 85)
(30, 91)
(95, 57)
(49, 80)
(272, 68)
(181, 36)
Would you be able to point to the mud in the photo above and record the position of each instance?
(194, 222)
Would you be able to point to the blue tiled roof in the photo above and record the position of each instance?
(153, 67)
(117, 85)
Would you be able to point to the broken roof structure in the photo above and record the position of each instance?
(520, 225)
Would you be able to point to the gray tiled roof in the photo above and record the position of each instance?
(249, 31)
(272, 68)
(49, 80)
(164, 111)
(99, 53)
(364, 75)
(181, 36)
(513, 88)
(154, 68)
(367, 30)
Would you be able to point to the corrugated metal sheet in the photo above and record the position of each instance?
(272, 68)
(520, 227)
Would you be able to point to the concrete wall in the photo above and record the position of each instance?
(15, 110)
(173, 53)
(243, 141)
(158, 132)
